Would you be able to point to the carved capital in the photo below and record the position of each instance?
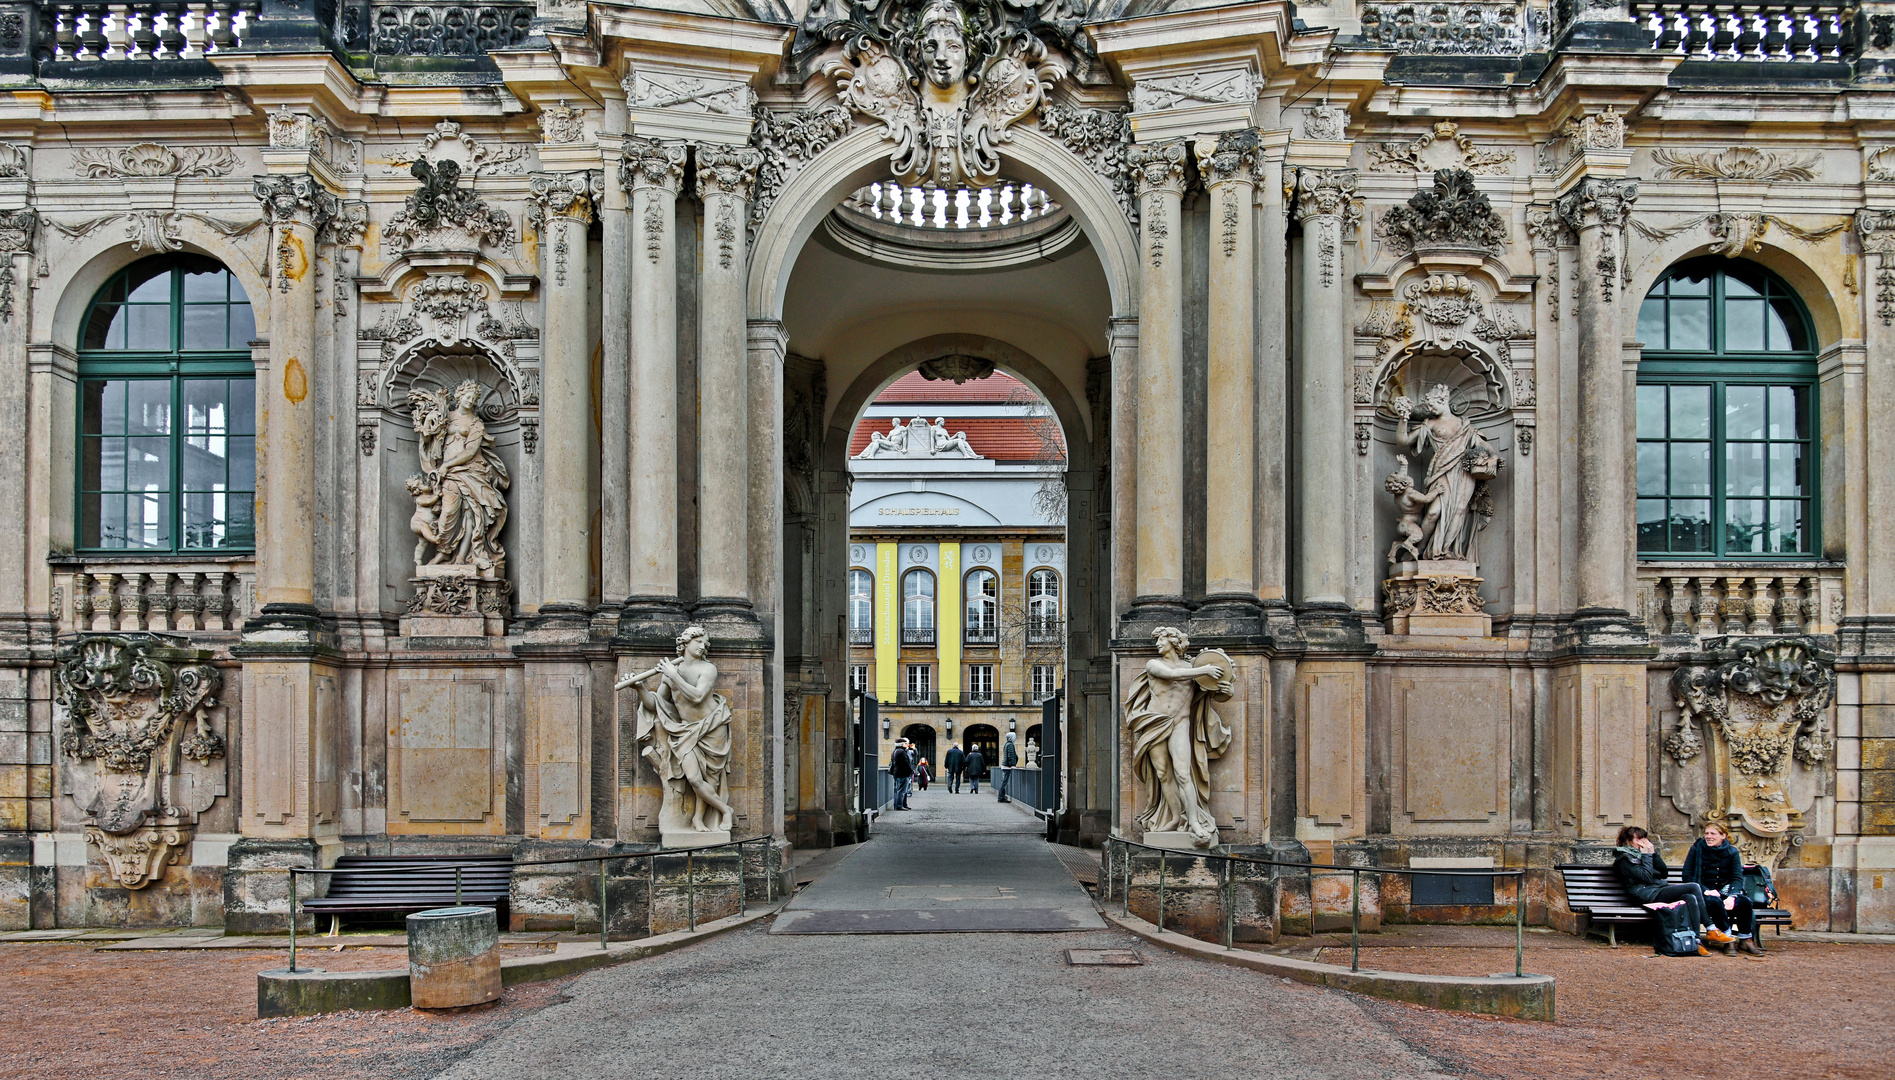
(649, 163)
(1546, 227)
(1324, 193)
(18, 230)
(295, 200)
(1232, 159)
(1876, 228)
(1157, 166)
(1598, 202)
(730, 171)
(568, 195)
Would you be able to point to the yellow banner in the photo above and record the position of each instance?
(887, 623)
(948, 630)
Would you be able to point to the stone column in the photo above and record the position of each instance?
(296, 207)
(1869, 587)
(726, 176)
(1273, 350)
(563, 202)
(1228, 167)
(1159, 573)
(1596, 211)
(17, 232)
(1325, 204)
(652, 172)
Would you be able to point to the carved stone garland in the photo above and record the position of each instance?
(1754, 711)
(136, 707)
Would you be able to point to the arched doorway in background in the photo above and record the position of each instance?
(922, 735)
(986, 739)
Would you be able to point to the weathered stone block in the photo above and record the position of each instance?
(16, 883)
(1878, 819)
(256, 888)
(1878, 754)
(1878, 786)
(1805, 893)
(1878, 721)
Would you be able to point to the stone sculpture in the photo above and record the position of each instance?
(460, 507)
(684, 731)
(137, 709)
(1032, 753)
(1763, 704)
(1175, 733)
(917, 439)
(1461, 463)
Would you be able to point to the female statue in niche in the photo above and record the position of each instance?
(1460, 464)
(462, 476)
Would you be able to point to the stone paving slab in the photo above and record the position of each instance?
(968, 921)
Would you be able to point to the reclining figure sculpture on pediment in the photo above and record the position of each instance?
(918, 439)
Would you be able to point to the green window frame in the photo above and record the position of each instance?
(1726, 417)
(167, 412)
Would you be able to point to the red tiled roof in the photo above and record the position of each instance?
(994, 389)
(1002, 438)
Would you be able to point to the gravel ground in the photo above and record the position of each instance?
(67, 1010)
(1805, 1010)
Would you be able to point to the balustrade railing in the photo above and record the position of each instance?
(928, 206)
(1720, 599)
(981, 635)
(911, 635)
(1822, 30)
(153, 598)
(142, 31)
(1043, 631)
(861, 636)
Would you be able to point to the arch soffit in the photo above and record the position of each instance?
(84, 266)
(897, 362)
(861, 158)
(1811, 283)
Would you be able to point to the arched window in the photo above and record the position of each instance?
(917, 608)
(1727, 451)
(1042, 606)
(167, 411)
(983, 608)
(861, 607)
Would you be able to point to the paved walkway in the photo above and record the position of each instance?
(942, 1005)
(954, 863)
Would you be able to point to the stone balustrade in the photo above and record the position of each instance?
(142, 31)
(1823, 30)
(1722, 599)
(154, 598)
(928, 206)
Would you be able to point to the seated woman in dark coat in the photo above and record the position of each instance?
(1644, 874)
(1714, 864)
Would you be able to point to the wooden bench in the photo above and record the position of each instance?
(404, 884)
(1594, 892)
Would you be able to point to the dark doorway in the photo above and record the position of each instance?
(986, 739)
(923, 737)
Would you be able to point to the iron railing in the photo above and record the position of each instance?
(605, 921)
(1043, 630)
(916, 635)
(981, 635)
(1227, 899)
(859, 635)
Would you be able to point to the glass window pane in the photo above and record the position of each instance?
(1744, 526)
(1786, 413)
(149, 285)
(105, 328)
(202, 286)
(1786, 469)
(1743, 469)
(1736, 285)
(102, 407)
(102, 465)
(243, 326)
(1651, 412)
(1651, 322)
(1651, 468)
(241, 532)
(1690, 412)
(104, 521)
(1691, 526)
(205, 409)
(1689, 284)
(1785, 326)
(1651, 524)
(1690, 325)
(148, 327)
(1786, 527)
(243, 464)
(243, 406)
(148, 464)
(1743, 326)
(205, 463)
(1691, 468)
(148, 407)
(1743, 412)
(204, 327)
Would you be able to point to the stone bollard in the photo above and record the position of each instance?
(453, 957)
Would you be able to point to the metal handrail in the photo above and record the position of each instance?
(1227, 897)
(690, 880)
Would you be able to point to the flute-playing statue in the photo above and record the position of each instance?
(684, 731)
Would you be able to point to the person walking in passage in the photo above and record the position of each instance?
(975, 763)
(1009, 757)
(954, 765)
(1643, 872)
(922, 774)
(1714, 864)
(901, 767)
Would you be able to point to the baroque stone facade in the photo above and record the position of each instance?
(469, 416)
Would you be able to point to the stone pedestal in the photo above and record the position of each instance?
(689, 838)
(1435, 597)
(1176, 840)
(453, 600)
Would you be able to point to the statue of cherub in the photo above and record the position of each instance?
(427, 518)
(1413, 503)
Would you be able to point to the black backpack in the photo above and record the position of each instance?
(1675, 935)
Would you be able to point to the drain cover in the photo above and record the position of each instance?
(1102, 958)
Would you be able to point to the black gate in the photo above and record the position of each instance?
(868, 761)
